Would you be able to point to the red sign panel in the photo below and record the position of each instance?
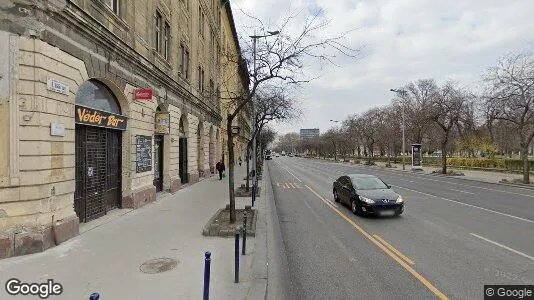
(143, 94)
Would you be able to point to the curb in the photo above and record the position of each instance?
(517, 185)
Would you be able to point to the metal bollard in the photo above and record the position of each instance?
(245, 215)
(207, 264)
(236, 280)
(94, 296)
(253, 194)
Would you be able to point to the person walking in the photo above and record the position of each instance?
(220, 168)
(240, 161)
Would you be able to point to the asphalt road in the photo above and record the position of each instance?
(454, 237)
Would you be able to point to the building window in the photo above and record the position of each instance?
(167, 41)
(200, 79)
(200, 22)
(114, 4)
(184, 61)
(159, 21)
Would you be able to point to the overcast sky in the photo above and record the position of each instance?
(401, 41)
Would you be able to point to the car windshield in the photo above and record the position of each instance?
(368, 183)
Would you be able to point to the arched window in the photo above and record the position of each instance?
(94, 94)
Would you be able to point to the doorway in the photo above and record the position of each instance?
(182, 168)
(158, 162)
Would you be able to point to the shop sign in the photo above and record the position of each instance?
(93, 117)
(143, 153)
(57, 86)
(143, 94)
(162, 123)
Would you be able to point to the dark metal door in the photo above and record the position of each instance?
(158, 162)
(112, 192)
(79, 175)
(184, 178)
(97, 171)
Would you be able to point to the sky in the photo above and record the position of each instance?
(399, 41)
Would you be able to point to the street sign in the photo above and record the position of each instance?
(143, 94)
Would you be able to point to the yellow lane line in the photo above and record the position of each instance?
(408, 268)
(399, 254)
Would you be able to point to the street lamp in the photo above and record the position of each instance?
(254, 38)
(335, 146)
(402, 93)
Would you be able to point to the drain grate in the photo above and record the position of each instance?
(158, 265)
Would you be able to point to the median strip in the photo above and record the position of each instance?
(405, 265)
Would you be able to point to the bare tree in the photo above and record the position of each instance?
(447, 109)
(270, 104)
(280, 59)
(510, 98)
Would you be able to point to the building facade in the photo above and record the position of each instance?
(234, 84)
(103, 103)
(309, 133)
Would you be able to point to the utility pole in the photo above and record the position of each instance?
(401, 94)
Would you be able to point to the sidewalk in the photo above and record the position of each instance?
(484, 176)
(107, 255)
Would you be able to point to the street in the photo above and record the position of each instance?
(454, 237)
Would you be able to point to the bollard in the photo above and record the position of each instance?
(253, 194)
(236, 280)
(207, 263)
(94, 296)
(244, 233)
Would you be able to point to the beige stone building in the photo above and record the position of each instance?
(234, 82)
(103, 103)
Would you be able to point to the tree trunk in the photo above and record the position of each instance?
(526, 165)
(230, 144)
(444, 157)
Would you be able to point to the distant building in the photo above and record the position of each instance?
(309, 133)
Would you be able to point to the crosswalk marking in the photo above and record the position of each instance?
(288, 185)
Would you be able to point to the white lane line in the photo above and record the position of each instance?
(293, 175)
(503, 246)
(469, 205)
(462, 191)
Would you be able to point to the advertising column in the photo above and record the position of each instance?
(417, 160)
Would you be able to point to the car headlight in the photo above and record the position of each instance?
(399, 200)
(367, 200)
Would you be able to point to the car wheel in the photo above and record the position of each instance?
(336, 196)
(354, 207)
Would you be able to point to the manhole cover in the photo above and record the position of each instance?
(158, 265)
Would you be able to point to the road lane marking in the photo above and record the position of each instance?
(462, 191)
(399, 254)
(418, 276)
(293, 175)
(469, 205)
(503, 246)
(277, 184)
(460, 184)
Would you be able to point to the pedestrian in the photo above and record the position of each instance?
(220, 168)
(240, 161)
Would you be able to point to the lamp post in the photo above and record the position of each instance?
(402, 93)
(254, 155)
(335, 146)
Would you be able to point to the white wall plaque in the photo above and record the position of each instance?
(57, 129)
(57, 86)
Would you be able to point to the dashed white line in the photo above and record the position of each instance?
(293, 175)
(469, 205)
(463, 192)
(503, 246)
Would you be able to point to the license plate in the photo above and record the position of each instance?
(387, 213)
